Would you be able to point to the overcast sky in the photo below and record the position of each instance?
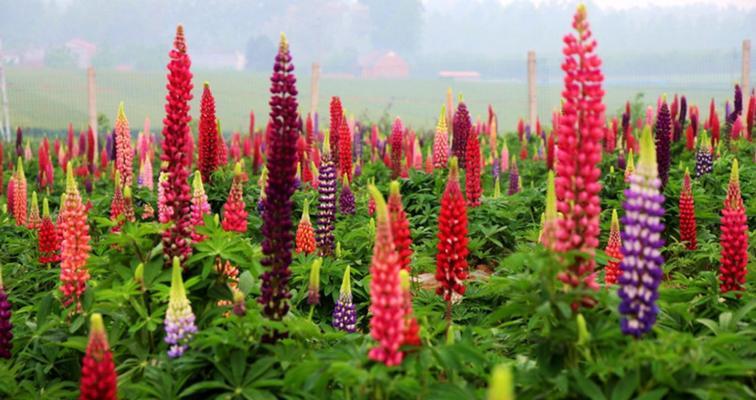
(623, 4)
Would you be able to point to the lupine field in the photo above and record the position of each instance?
(592, 255)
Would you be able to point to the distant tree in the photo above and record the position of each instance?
(260, 53)
(395, 25)
(60, 57)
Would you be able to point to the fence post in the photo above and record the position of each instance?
(746, 74)
(5, 128)
(532, 100)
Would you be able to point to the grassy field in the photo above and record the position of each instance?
(50, 99)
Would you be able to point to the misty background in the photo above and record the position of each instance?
(692, 46)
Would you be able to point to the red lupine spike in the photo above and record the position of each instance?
(397, 132)
(614, 250)
(124, 152)
(687, 215)
(400, 228)
(75, 245)
(734, 237)
(337, 116)
(472, 174)
(345, 150)
(48, 241)
(451, 259)
(234, 213)
(20, 202)
(207, 157)
(98, 376)
(305, 239)
(386, 305)
(411, 327)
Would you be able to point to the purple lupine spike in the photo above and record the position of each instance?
(641, 268)
(495, 168)
(703, 156)
(326, 201)
(344, 312)
(514, 178)
(179, 318)
(621, 161)
(683, 111)
(663, 125)
(277, 228)
(346, 199)
(357, 143)
(737, 105)
(110, 145)
(357, 170)
(6, 328)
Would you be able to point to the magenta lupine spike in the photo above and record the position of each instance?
(346, 198)
(234, 211)
(278, 228)
(6, 328)
(124, 153)
(344, 311)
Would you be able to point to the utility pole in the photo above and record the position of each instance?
(532, 100)
(4, 92)
(314, 88)
(92, 103)
(746, 73)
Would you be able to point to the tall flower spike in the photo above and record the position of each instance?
(313, 289)
(48, 241)
(687, 214)
(641, 267)
(344, 312)
(207, 159)
(400, 228)
(326, 201)
(614, 251)
(704, 158)
(20, 204)
(345, 150)
(200, 207)
(441, 141)
(663, 137)
(117, 204)
(234, 213)
(129, 215)
(305, 241)
(179, 318)
(472, 174)
(75, 247)
(579, 154)
(124, 152)
(165, 212)
(34, 219)
(396, 139)
(98, 376)
(550, 216)
(733, 238)
(411, 327)
(504, 157)
(386, 302)
(337, 116)
(177, 155)
(346, 198)
(630, 166)
(462, 125)
(514, 178)
(451, 256)
(277, 228)
(6, 328)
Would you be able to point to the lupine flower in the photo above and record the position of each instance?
(687, 214)
(34, 220)
(504, 157)
(451, 258)
(630, 166)
(396, 139)
(177, 155)
(733, 238)
(6, 328)
(199, 207)
(179, 318)
(663, 156)
(621, 162)
(472, 174)
(48, 241)
(461, 131)
(501, 386)
(165, 212)
(117, 204)
(326, 201)
(411, 327)
(550, 217)
(579, 154)
(344, 312)
(428, 168)
(227, 273)
(75, 246)
(305, 240)
(98, 375)
(207, 158)
(337, 116)
(234, 213)
(345, 150)
(313, 289)
(614, 251)
(441, 141)
(641, 267)
(400, 229)
(147, 212)
(704, 160)
(514, 178)
(222, 153)
(19, 194)
(346, 198)
(239, 303)
(145, 174)
(277, 228)
(124, 153)
(387, 322)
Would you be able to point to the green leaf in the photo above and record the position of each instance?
(626, 386)
(588, 388)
